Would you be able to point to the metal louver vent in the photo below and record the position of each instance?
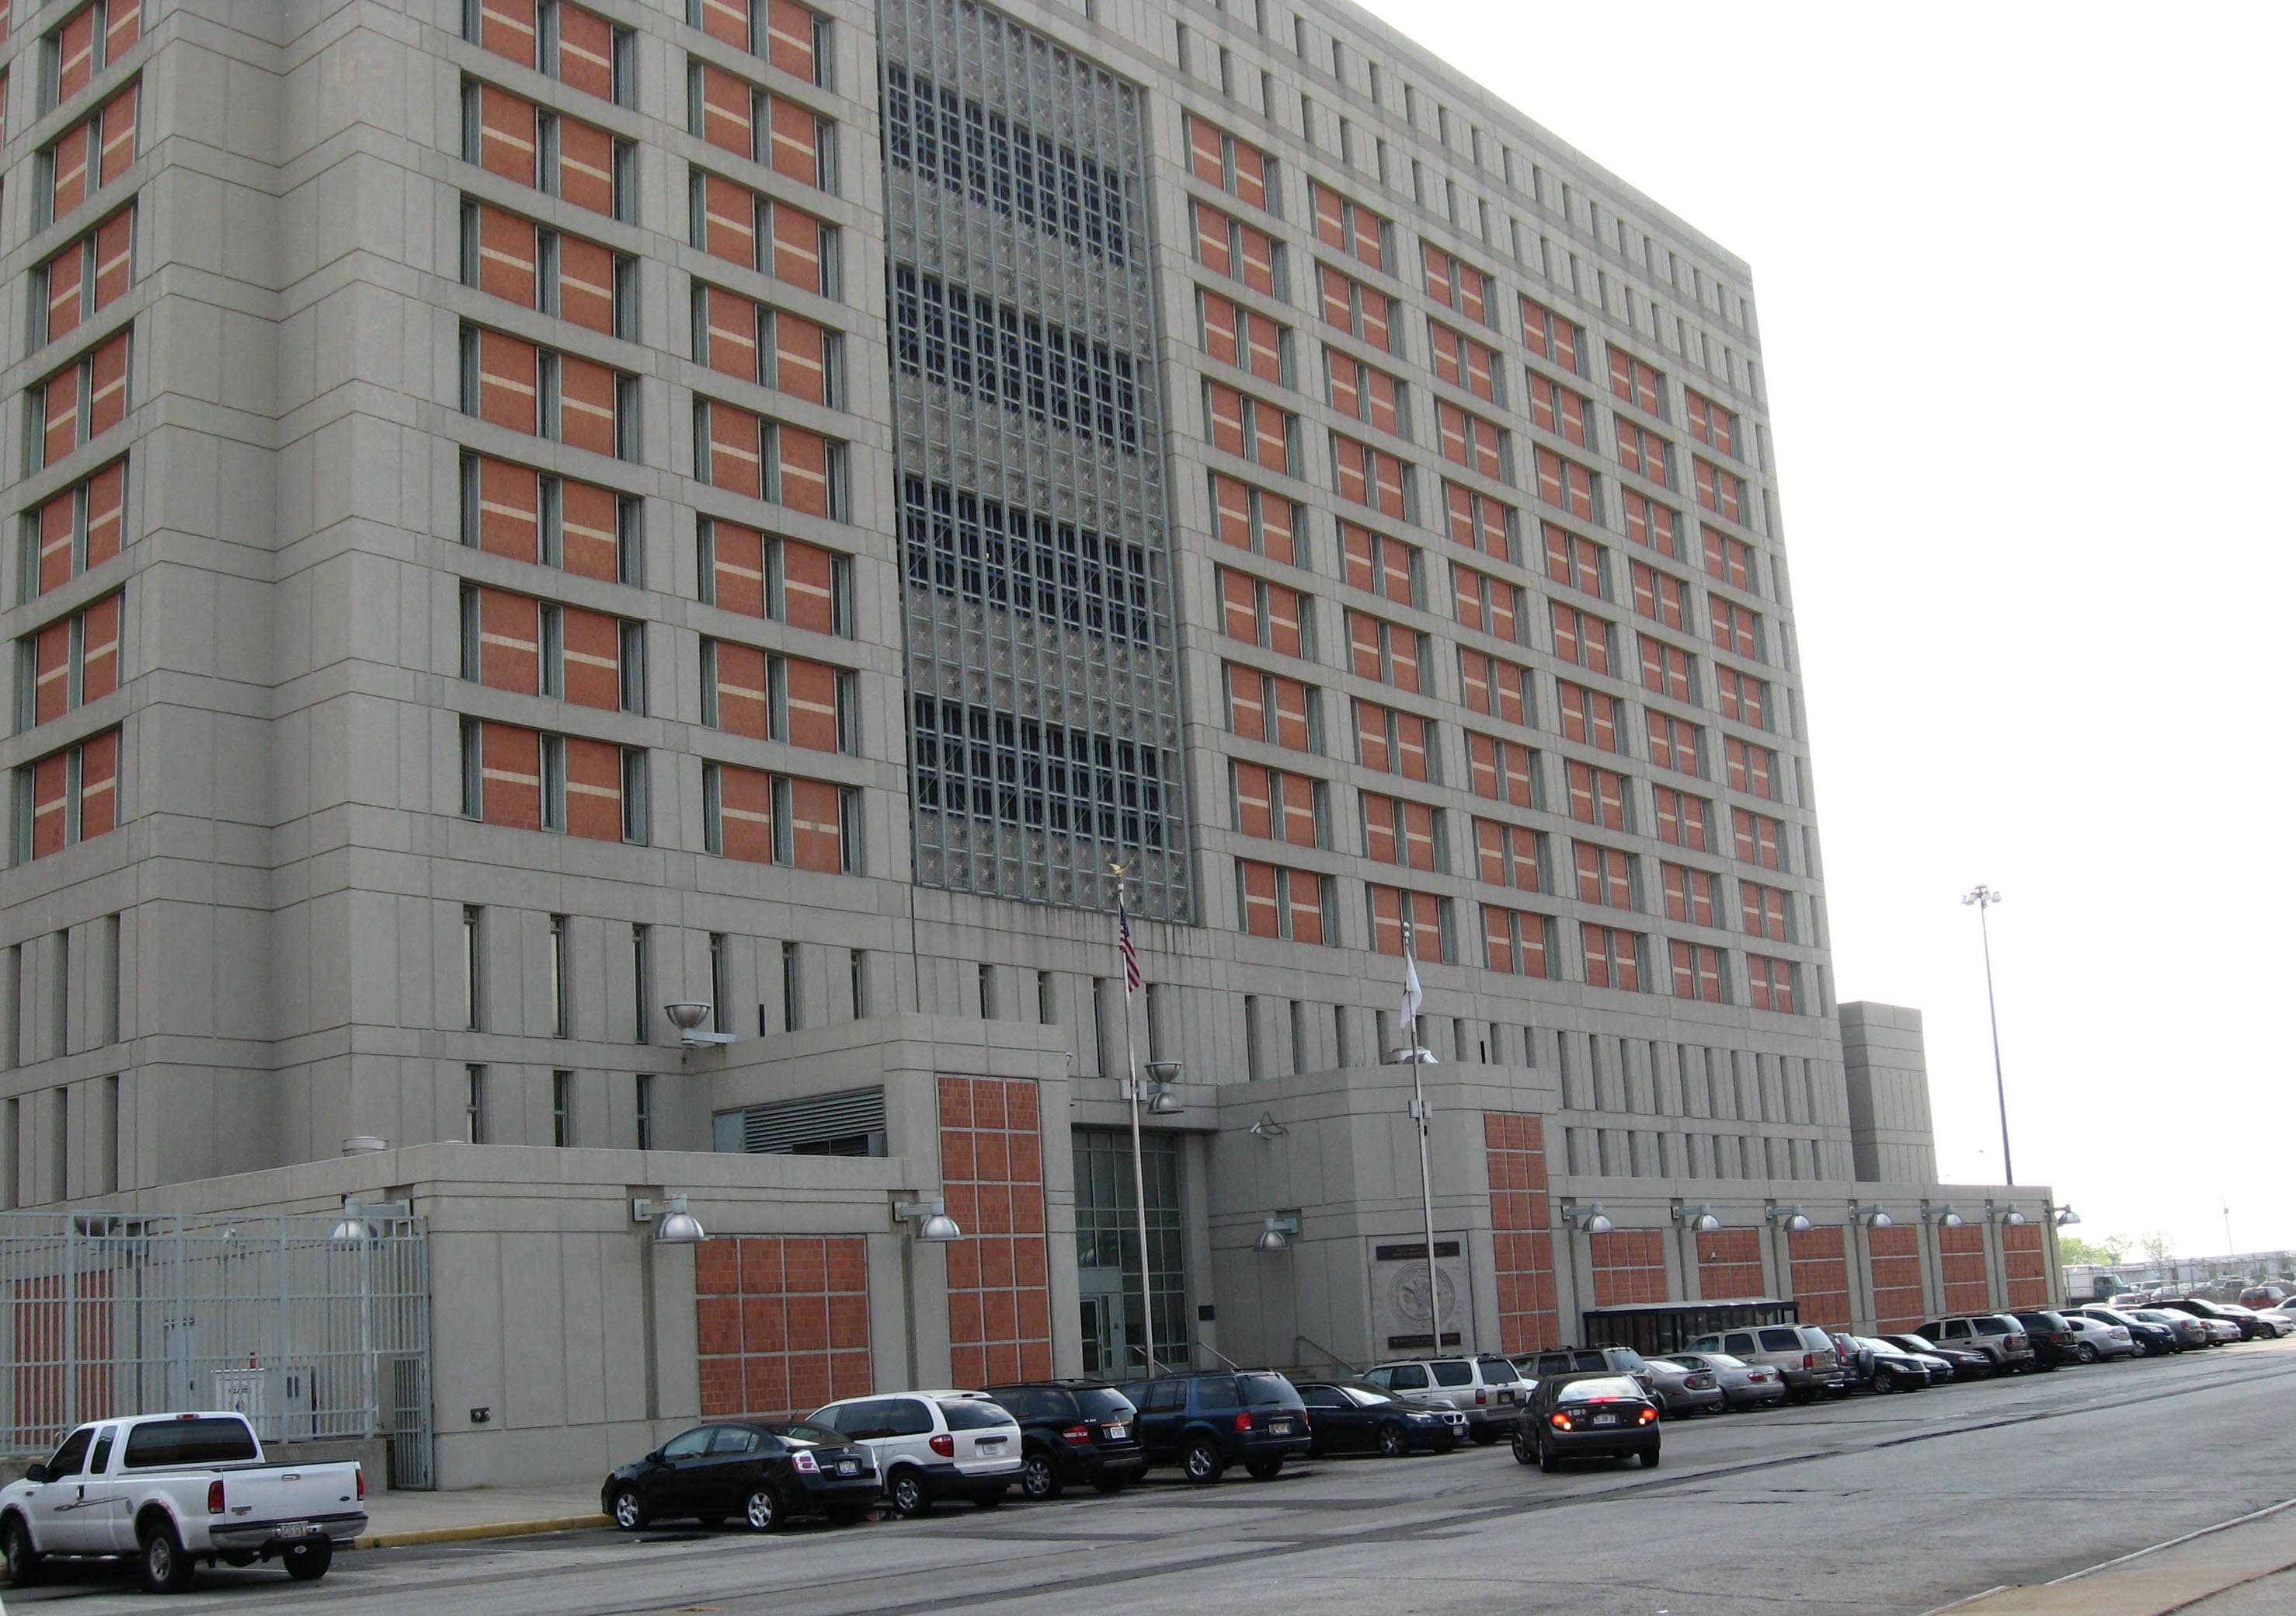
(850, 1123)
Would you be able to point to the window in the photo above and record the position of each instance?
(1646, 454)
(69, 663)
(1758, 839)
(530, 779)
(1510, 855)
(739, 336)
(574, 45)
(1728, 560)
(1004, 164)
(1668, 671)
(1362, 311)
(642, 980)
(1427, 917)
(535, 147)
(736, 116)
(89, 40)
(71, 532)
(1683, 820)
(729, 221)
(1469, 440)
(1559, 410)
(539, 391)
(1711, 423)
(765, 818)
(1733, 628)
(1350, 227)
(1371, 395)
(1552, 337)
(1494, 686)
(721, 992)
(1676, 744)
(1272, 901)
(783, 580)
(1606, 875)
(537, 267)
(1379, 563)
(473, 973)
(1773, 984)
(1743, 697)
(562, 977)
(1399, 833)
(972, 760)
(79, 403)
(1637, 382)
(1576, 562)
(1698, 971)
(562, 1108)
(1502, 771)
(1613, 958)
(1722, 492)
(1567, 486)
(769, 696)
(1766, 912)
(85, 278)
(1238, 423)
(1456, 285)
(68, 796)
(1278, 806)
(1581, 637)
(474, 1105)
(857, 971)
(1386, 651)
(86, 157)
(644, 1108)
(1267, 707)
(1660, 597)
(1002, 355)
(1515, 941)
(1261, 613)
(1248, 519)
(1479, 522)
(1750, 769)
(1230, 247)
(1590, 716)
(1366, 476)
(1394, 742)
(1652, 524)
(1691, 894)
(744, 453)
(1245, 338)
(553, 522)
(1241, 169)
(1465, 363)
(1598, 796)
(516, 642)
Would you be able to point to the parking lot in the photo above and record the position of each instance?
(1876, 1504)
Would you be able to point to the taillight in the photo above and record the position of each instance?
(361, 1473)
(1558, 1420)
(1077, 1433)
(1809, 1360)
(1242, 1420)
(1481, 1397)
(1647, 1416)
(805, 1463)
(943, 1444)
(215, 1496)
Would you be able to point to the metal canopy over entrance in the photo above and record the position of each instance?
(316, 1326)
(1655, 1329)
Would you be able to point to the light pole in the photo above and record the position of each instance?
(1421, 1116)
(1135, 1092)
(1985, 898)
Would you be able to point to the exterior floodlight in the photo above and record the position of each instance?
(1164, 1103)
(363, 1219)
(2011, 1218)
(1275, 1235)
(674, 1225)
(1164, 1073)
(687, 1015)
(1699, 1219)
(1157, 1097)
(1419, 1057)
(1792, 1217)
(1945, 1217)
(930, 1221)
(2066, 1215)
(1872, 1217)
(1590, 1218)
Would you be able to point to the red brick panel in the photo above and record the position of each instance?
(1629, 1267)
(2024, 1266)
(1821, 1276)
(1730, 1263)
(1522, 1246)
(1964, 1252)
(1897, 1255)
(781, 1323)
(993, 1175)
(41, 1412)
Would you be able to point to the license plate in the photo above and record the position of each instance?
(291, 1528)
(1606, 1419)
(1116, 1433)
(1281, 1427)
(1506, 1397)
(848, 1467)
(991, 1444)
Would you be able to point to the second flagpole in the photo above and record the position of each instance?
(1421, 1116)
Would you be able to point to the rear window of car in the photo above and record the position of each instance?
(1623, 1357)
(974, 1414)
(1452, 1372)
(1816, 1338)
(1598, 1386)
(1101, 1402)
(1218, 1392)
(1722, 1360)
(1267, 1388)
(802, 1431)
(190, 1442)
(1781, 1341)
(1496, 1368)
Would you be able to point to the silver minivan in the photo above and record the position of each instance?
(1803, 1354)
(1486, 1390)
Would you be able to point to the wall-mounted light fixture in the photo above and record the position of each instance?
(687, 1015)
(1590, 1218)
(1699, 1220)
(928, 1220)
(1944, 1217)
(673, 1223)
(2007, 1217)
(361, 1218)
(1155, 1092)
(1872, 1217)
(1794, 1219)
(1275, 1235)
(2066, 1216)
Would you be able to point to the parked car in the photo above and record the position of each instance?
(2268, 1295)
(1486, 1390)
(1537, 1366)
(1892, 1368)
(1074, 1432)
(1588, 1416)
(1804, 1355)
(1356, 1416)
(1963, 1363)
(2097, 1338)
(2249, 1327)
(1206, 1422)
(766, 1474)
(2052, 1337)
(2253, 1325)
(1685, 1389)
(932, 1445)
(1998, 1335)
(1744, 1385)
(173, 1491)
(2146, 1339)
(2189, 1331)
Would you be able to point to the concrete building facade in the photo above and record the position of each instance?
(531, 513)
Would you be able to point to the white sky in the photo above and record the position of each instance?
(2022, 274)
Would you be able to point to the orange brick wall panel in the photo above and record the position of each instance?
(594, 788)
(510, 761)
(585, 166)
(1820, 1276)
(738, 567)
(1629, 1266)
(586, 284)
(781, 1323)
(507, 29)
(746, 814)
(1522, 1247)
(1000, 1311)
(107, 492)
(99, 785)
(592, 648)
(2024, 1267)
(1730, 1263)
(41, 1311)
(586, 51)
(506, 256)
(1896, 1274)
(589, 538)
(807, 596)
(1963, 1254)
(510, 506)
(587, 405)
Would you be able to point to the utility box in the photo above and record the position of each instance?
(277, 1402)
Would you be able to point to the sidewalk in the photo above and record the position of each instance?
(395, 1519)
(2189, 1574)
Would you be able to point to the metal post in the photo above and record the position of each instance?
(366, 1330)
(1419, 1115)
(1985, 898)
(1139, 1186)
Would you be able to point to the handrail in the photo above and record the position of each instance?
(1328, 1355)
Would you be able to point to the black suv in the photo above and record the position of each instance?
(2053, 1338)
(1074, 1431)
(1206, 1422)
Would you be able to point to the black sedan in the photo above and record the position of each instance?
(764, 1474)
(1966, 1365)
(1587, 1417)
(1356, 1416)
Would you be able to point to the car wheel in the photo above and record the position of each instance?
(2138, 1349)
(1885, 1381)
(1650, 1458)
(906, 1490)
(167, 1569)
(629, 1513)
(16, 1548)
(1202, 1464)
(1040, 1478)
(1523, 1454)
(308, 1561)
(1546, 1459)
(761, 1511)
(2086, 1353)
(1264, 1470)
(1483, 1435)
(1108, 1486)
(1392, 1442)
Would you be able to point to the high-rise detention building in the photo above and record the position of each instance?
(527, 514)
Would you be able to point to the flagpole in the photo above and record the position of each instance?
(1125, 963)
(1419, 1114)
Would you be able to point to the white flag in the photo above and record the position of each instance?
(1412, 998)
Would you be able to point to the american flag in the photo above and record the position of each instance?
(1124, 947)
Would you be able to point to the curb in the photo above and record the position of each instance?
(466, 1534)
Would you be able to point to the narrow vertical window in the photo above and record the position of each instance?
(562, 1109)
(1044, 1016)
(792, 1020)
(473, 987)
(988, 993)
(1253, 1067)
(112, 983)
(561, 994)
(720, 1017)
(474, 1105)
(645, 1110)
(857, 968)
(640, 978)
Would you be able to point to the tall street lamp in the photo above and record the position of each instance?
(1985, 898)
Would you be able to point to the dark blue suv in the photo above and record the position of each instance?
(1206, 1422)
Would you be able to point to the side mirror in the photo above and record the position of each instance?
(654, 1457)
(36, 1473)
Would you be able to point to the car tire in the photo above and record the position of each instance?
(165, 1568)
(2139, 1349)
(1648, 1456)
(629, 1511)
(1392, 1442)
(906, 1490)
(1523, 1454)
(1202, 1464)
(1040, 1478)
(308, 1561)
(1483, 1436)
(1546, 1456)
(761, 1511)
(1885, 1381)
(2084, 1352)
(1263, 1469)
(1108, 1486)
(16, 1548)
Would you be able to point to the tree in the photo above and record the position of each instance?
(2156, 1246)
(2104, 1251)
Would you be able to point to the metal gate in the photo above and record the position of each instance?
(316, 1326)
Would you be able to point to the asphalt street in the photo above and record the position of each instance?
(1888, 1504)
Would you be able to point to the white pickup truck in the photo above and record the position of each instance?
(173, 1489)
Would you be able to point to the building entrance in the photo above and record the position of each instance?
(1108, 1252)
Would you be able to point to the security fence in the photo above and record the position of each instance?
(317, 1327)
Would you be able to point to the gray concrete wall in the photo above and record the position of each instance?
(1889, 1091)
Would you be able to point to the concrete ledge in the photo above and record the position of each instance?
(484, 1529)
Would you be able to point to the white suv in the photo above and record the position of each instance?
(933, 1445)
(1485, 1389)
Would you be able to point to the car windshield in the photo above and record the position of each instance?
(972, 1414)
(1266, 1389)
(1597, 1388)
(806, 1433)
(1918, 1343)
(1102, 1402)
(1364, 1397)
